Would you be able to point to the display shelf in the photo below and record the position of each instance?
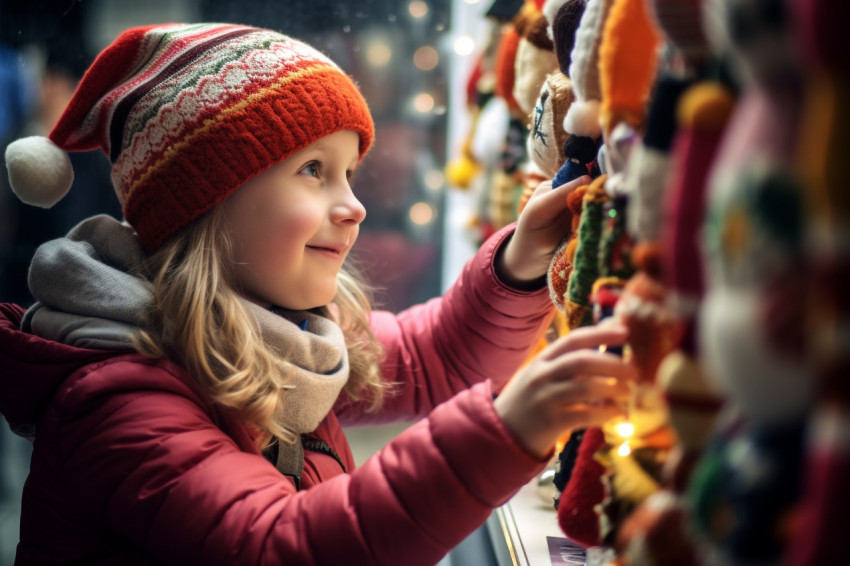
(525, 532)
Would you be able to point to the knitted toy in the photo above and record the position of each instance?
(583, 117)
(688, 56)
(535, 56)
(743, 490)
(580, 147)
(824, 144)
(547, 135)
(582, 66)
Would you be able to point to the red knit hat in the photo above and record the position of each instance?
(187, 114)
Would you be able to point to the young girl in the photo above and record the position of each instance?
(185, 375)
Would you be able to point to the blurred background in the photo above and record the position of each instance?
(410, 59)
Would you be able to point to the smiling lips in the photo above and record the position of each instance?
(334, 251)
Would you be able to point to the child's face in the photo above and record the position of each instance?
(294, 224)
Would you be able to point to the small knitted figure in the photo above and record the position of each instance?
(547, 135)
(582, 120)
(535, 56)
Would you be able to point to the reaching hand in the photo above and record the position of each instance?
(544, 223)
(569, 385)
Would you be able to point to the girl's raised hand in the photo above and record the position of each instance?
(544, 222)
(569, 385)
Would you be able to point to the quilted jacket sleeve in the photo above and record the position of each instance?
(479, 329)
(140, 452)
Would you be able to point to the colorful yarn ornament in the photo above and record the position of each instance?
(561, 266)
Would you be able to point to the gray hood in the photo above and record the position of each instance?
(87, 293)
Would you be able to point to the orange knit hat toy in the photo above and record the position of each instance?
(187, 114)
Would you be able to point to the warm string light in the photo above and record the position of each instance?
(625, 430)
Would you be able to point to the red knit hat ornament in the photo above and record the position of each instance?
(187, 114)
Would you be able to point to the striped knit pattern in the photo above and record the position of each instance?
(188, 113)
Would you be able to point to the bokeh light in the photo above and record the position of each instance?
(421, 213)
(464, 45)
(417, 9)
(423, 102)
(426, 58)
(378, 54)
(435, 179)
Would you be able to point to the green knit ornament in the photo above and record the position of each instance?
(586, 263)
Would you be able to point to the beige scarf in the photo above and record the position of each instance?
(316, 368)
(315, 362)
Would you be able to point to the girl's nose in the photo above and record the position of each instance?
(347, 209)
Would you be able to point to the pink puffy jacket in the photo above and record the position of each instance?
(133, 465)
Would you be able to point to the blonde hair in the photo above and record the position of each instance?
(198, 321)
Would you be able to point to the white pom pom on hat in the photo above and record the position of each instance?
(40, 172)
(582, 118)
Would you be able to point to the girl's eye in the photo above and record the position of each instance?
(313, 169)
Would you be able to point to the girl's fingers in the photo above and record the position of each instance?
(572, 185)
(592, 363)
(591, 391)
(586, 337)
(554, 201)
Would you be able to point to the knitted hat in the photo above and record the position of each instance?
(582, 119)
(627, 63)
(187, 114)
(564, 17)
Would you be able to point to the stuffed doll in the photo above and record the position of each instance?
(546, 137)
(580, 147)
(535, 56)
(744, 493)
